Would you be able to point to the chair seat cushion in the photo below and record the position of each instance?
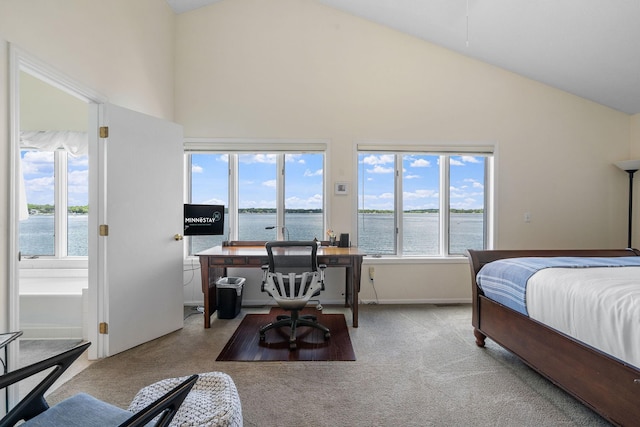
(81, 410)
(213, 401)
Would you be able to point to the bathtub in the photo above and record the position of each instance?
(53, 303)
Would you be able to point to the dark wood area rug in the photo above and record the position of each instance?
(245, 344)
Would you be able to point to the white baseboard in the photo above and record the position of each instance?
(47, 332)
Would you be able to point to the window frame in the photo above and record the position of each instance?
(445, 153)
(236, 146)
(60, 258)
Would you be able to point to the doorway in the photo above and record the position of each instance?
(53, 177)
(134, 262)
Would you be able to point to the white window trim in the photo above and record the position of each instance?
(488, 149)
(60, 259)
(253, 145)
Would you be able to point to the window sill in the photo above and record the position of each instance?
(53, 263)
(370, 259)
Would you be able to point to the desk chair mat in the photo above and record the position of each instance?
(244, 344)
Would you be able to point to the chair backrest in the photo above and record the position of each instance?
(292, 256)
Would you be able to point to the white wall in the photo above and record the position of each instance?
(4, 186)
(635, 137)
(295, 68)
(121, 49)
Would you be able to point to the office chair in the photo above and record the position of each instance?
(292, 277)
(82, 409)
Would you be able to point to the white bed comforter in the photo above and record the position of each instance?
(598, 306)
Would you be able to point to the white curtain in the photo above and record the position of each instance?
(74, 143)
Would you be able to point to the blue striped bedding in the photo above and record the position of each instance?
(505, 280)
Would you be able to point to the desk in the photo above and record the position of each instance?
(215, 261)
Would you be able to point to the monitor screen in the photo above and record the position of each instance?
(201, 220)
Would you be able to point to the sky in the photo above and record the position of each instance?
(257, 180)
(420, 183)
(421, 177)
(38, 173)
(304, 185)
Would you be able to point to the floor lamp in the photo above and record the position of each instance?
(630, 167)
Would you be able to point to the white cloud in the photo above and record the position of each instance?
(470, 159)
(258, 158)
(419, 194)
(295, 158)
(313, 173)
(382, 159)
(37, 162)
(420, 163)
(380, 169)
(270, 183)
(313, 202)
(78, 178)
(196, 169)
(213, 201)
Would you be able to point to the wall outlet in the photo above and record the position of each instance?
(527, 217)
(372, 272)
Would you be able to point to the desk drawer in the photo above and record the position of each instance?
(227, 261)
(334, 261)
(238, 261)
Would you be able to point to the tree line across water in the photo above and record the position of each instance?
(79, 210)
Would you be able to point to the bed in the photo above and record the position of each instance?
(603, 382)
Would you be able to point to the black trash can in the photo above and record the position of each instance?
(229, 296)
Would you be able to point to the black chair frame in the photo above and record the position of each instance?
(34, 403)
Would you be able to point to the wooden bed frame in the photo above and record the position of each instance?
(603, 383)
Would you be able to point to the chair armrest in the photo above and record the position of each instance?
(166, 406)
(34, 403)
(265, 271)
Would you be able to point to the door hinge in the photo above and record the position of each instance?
(104, 131)
(104, 328)
(104, 230)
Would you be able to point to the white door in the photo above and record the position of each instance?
(138, 265)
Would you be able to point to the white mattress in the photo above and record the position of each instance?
(598, 306)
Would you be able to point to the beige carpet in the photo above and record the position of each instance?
(416, 366)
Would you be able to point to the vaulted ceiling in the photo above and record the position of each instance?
(586, 47)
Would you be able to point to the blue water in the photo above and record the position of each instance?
(420, 235)
(37, 235)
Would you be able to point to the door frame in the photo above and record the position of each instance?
(19, 60)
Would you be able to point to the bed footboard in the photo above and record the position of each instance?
(601, 382)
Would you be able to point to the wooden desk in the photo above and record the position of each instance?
(215, 261)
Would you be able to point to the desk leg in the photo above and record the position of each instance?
(204, 278)
(209, 275)
(352, 288)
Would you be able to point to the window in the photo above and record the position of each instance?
(54, 222)
(417, 203)
(209, 179)
(267, 195)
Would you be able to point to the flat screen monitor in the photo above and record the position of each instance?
(203, 220)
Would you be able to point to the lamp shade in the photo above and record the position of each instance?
(628, 165)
